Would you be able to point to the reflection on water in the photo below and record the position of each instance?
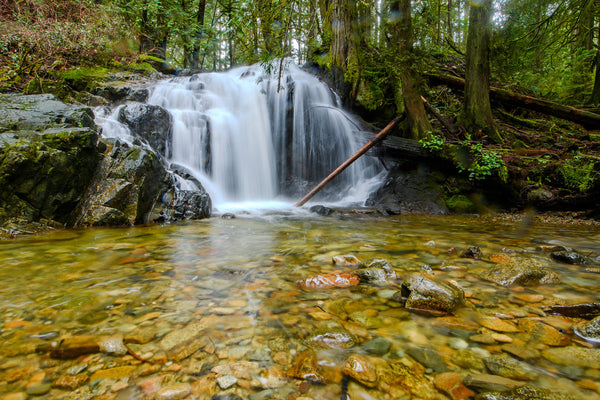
(213, 307)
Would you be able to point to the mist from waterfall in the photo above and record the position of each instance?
(254, 137)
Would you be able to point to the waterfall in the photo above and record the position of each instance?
(252, 136)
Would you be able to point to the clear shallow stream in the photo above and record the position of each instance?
(236, 279)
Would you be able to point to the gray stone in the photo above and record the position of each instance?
(426, 294)
(429, 357)
(378, 346)
(226, 381)
(508, 367)
(521, 272)
(113, 346)
(151, 123)
(39, 389)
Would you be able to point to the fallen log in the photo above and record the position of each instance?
(587, 119)
(379, 137)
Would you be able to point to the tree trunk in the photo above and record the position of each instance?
(587, 119)
(401, 29)
(477, 113)
(195, 56)
(449, 22)
(595, 99)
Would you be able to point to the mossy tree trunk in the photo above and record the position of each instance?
(343, 49)
(595, 99)
(418, 126)
(195, 53)
(477, 114)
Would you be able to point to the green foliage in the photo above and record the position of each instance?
(480, 163)
(433, 143)
(579, 173)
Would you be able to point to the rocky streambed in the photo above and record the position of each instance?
(287, 307)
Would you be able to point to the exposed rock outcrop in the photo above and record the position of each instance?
(55, 170)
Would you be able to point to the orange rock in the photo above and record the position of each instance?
(542, 333)
(16, 324)
(451, 383)
(498, 325)
(500, 259)
(328, 281)
(456, 323)
(529, 298)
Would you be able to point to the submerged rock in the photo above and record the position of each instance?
(347, 260)
(585, 311)
(305, 367)
(508, 367)
(328, 281)
(573, 355)
(335, 338)
(361, 370)
(321, 210)
(570, 257)
(589, 331)
(424, 293)
(526, 393)
(523, 272)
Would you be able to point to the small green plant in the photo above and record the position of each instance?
(433, 143)
(579, 173)
(481, 163)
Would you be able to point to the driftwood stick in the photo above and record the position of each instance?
(380, 136)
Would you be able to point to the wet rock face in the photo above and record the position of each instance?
(48, 155)
(414, 190)
(132, 186)
(511, 272)
(151, 123)
(424, 294)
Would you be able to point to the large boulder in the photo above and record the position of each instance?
(132, 186)
(519, 271)
(149, 122)
(425, 294)
(48, 155)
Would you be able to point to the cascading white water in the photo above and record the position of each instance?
(251, 136)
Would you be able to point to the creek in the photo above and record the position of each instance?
(224, 292)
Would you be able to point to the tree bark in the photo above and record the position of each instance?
(401, 29)
(588, 120)
(595, 98)
(477, 113)
(195, 56)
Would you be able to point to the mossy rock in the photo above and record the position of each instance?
(84, 79)
(461, 204)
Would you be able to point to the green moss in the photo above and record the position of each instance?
(460, 204)
(84, 78)
(142, 68)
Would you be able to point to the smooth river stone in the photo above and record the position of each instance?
(361, 370)
(542, 333)
(573, 355)
(508, 367)
(182, 343)
(328, 281)
(498, 325)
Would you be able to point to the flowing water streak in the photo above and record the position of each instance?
(259, 139)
